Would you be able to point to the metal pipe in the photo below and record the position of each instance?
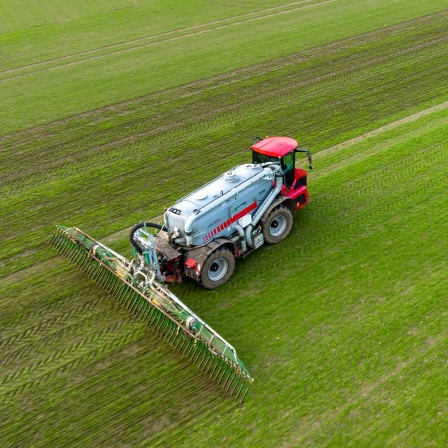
(260, 212)
(240, 231)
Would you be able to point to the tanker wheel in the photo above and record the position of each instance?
(278, 225)
(217, 268)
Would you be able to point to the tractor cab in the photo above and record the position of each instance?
(283, 149)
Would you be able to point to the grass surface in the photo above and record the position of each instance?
(65, 66)
(342, 325)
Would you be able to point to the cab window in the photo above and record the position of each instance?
(288, 169)
(288, 161)
(262, 158)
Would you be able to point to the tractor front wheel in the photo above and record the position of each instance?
(278, 225)
(217, 268)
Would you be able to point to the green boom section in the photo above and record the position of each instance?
(156, 304)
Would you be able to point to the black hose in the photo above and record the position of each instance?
(139, 226)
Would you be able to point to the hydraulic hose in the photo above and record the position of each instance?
(139, 226)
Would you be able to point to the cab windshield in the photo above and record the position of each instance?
(261, 158)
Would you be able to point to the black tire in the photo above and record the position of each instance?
(278, 225)
(217, 268)
(139, 226)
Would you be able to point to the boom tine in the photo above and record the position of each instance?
(216, 366)
(245, 392)
(138, 306)
(223, 365)
(242, 382)
(229, 379)
(114, 286)
(148, 309)
(239, 378)
(173, 335)
(141, 309)
(197, 350)
(226, 367)
(135, 303)
(202, 352)
(166, 330)
(211, 365)
(158, 323)
(151, 316)
(181, 341)
(102, 276)
(205, 360)
(184, 347)
(121, 291)
(128, 298)
(202, 356)
(163, 326)
(190, 347)
(168, 335)
(205, 365)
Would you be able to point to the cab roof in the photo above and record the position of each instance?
(275, 146)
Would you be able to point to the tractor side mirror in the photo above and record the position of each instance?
(310, 162)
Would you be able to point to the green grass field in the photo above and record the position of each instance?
(112, 110)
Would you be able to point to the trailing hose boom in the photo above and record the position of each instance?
(137, 288)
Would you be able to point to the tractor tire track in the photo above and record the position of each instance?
(149, 41)
(362, 216)
(371, 134)
(409, 119)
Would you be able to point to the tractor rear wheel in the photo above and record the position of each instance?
(278, 225)
(217, 268)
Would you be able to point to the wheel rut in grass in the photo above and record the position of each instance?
(387, 127)
(157, 39)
